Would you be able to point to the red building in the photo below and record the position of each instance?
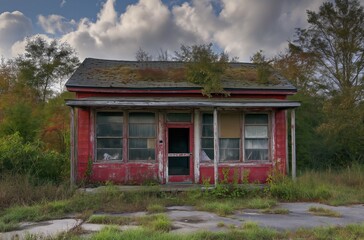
(139, 121)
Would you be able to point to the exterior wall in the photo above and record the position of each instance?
(139, 172)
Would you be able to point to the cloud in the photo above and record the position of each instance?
(14, 26)
(53, 24)
(63, 2)
(239, 27)
(148, 24)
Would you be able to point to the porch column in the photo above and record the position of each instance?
(72, 143)
(216, 147)
(197, 140)
(293, 142)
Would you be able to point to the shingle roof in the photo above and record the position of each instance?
(99, 73)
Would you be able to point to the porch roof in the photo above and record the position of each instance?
(180, 102)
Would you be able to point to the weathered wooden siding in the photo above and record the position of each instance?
(280, 144)
(83, 142)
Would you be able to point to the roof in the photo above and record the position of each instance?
(100, 73)
(179, 102)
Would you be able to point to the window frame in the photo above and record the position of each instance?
(242, 155)
(125, 136)
(269, 137)
(155, 137)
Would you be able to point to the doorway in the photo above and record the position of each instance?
(179, 154)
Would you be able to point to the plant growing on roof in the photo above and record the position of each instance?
(204, 67)
(264, 70)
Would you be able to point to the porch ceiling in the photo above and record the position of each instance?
(180, 102)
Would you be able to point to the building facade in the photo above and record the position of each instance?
(135, 122)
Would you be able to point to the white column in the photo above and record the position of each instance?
(216, 147)
(293, 142)
(197, 145)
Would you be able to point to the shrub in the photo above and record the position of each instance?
(17, 157)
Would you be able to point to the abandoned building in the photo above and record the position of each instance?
(133, 122)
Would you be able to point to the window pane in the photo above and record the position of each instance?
(178, 117)
(109, 132)
(141, 117)
(229, 154)
(207, 118)
(256, 131)
(254, 154)
(229, 125)
(142, 130)
(207, 131)
(109, 117)
(109, 154)
(229, 143)
(207, 143)
(207, 154)
(141, 154)
(256, 119)
(138, 143)
(109, 143)
(256, 143)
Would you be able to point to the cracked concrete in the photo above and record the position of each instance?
(186, 219)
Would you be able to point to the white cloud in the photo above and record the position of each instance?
(14, 26)
(63, 2)
(240, 27)
(148, 24)
(53, 24)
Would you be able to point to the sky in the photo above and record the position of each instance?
(116, 29)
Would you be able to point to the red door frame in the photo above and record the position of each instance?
(180, 178)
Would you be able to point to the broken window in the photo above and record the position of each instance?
(207, 137)
(256, 137)
(109, 135)
(229, 136)
(142, 136)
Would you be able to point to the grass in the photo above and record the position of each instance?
(156, 208)
(331, 187)
(261, 203)
(220, 208)
(282, 211)
(320, 211)
(155, 222)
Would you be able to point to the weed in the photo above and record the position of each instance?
(261, 203)
(161, 223)
(220, 208)
(155, 208)
(275, 211)
(220, 224)
(320, 211)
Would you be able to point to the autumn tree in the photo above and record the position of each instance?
(45, 65)
(335, 40)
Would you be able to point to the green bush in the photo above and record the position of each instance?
(17, 157)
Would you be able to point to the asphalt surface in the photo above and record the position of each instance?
(185, 220)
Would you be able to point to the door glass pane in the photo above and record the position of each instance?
(178, 166)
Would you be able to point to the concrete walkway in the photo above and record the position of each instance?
(185, 220)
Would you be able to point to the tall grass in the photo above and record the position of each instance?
(20, 190)
(337, 187)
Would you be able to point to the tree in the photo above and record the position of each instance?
(143, 56)
(335, 39)
(298, 67)
(204, 67)
(46, 65)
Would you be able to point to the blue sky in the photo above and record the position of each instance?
(116, 29)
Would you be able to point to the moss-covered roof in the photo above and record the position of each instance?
(98, 73)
